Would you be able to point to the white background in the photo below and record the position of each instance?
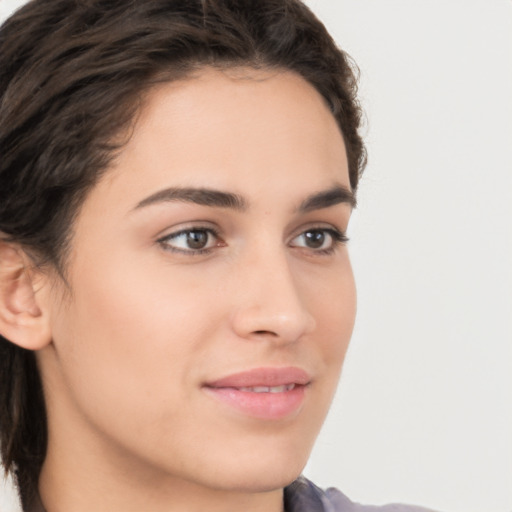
(424, 410)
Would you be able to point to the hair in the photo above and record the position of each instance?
(72, 75)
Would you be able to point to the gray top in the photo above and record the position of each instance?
(304, 496)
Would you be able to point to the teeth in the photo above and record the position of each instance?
(268, 389)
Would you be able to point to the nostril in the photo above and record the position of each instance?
(283, 322)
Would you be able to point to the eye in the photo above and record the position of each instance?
(194, 240)
(323, 240)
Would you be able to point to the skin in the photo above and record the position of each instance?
(145, 322)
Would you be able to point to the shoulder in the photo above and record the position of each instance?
(304, 496)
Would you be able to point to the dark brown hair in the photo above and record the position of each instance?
(72, 73)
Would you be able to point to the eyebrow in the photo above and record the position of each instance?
(220, 199)
(202, 196)
(335, 195)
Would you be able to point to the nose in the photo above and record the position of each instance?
(270, 304)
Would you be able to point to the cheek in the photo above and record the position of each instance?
(335, 312)
(131, 330)
(332, 299)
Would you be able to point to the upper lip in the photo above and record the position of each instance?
(263, 377)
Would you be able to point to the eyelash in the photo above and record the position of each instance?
(338, 238)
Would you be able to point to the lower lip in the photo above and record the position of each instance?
(269, 406)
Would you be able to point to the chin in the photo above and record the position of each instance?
(259, 475)
(251, 482)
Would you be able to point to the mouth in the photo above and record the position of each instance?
(268, 389)
(263, 393)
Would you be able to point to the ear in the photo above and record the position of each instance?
(24, 316)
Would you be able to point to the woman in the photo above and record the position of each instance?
(176, 294)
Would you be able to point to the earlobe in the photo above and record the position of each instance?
(24, 318)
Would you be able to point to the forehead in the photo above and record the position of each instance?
(237, 129)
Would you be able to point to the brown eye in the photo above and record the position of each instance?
(197, 239)
(190, 240)
(314, 239)
(321, 240)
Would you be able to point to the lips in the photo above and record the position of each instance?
(263, 377)
(264, 393)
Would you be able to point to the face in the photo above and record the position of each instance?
(212, 298)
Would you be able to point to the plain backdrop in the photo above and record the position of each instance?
(424, 410)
